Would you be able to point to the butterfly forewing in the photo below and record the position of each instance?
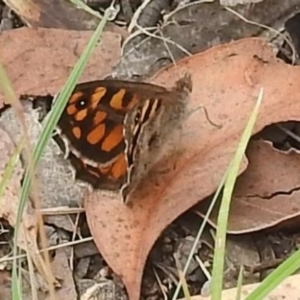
(92, 121)
(114, 130)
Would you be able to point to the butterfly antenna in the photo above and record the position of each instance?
(209, 119)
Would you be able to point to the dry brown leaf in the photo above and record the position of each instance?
(267, 193)
(39, 61)
(288, 289)
(56, 14)
(227, 80)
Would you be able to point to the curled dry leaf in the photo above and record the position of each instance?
(56, 14)
(226, 80)
(267, 193)
(39, 61)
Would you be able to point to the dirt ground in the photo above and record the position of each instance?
(259, 240)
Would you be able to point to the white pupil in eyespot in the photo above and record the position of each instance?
(137, 117)
(82, 103)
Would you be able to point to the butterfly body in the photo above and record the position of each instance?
(113, 130)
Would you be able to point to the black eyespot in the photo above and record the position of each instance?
(137, 117)
(82, 103)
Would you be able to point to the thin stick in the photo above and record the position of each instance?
(265, 27)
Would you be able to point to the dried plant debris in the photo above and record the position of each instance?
(54, 174)
(182, 34)
(55, 14)
(236, 2)
(241, 68)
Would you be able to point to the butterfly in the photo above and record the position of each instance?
(113, 130)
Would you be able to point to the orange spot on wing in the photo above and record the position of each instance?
(71, 109)
(81, 115)
(75, 97)
(99, 117)
(113, 172)
(114, 138)
(77, 132)
(119, 167)
(96, 134)
(117, 100)
(97, 96)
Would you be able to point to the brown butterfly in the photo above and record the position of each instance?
(113, 130)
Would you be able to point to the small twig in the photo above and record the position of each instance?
(265, 27)
(136, 15)
(179, 8)
(289, 132)
(145, 31)
(182, 277)
(168, 272)
(266, 265)
(74, 234)
(162, 287)
(6, 258)
(167, 47)
(203, 268)
(61, 210)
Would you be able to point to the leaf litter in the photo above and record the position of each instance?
(27, 237)
(9, 200)
(252, 64)
(271, 179)
(56, 14)
(224, 77)
(54, 176)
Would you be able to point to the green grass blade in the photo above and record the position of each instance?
(199, 233)
(6, 86)
(218, 263)
(48, 128)
(60, 103)
(10, 168)
(239, 284)
(187, 295)
(288, 267)
(81, 5)
(10, 96)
